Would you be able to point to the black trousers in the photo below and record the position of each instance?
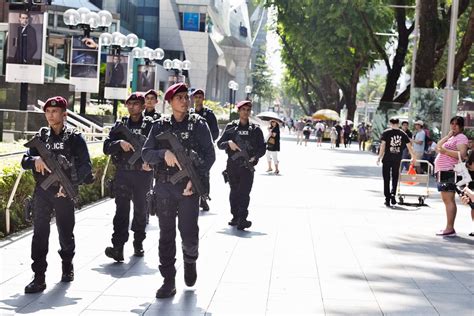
(390, 168)
(241, 181)
(44, 204)
(130, 186)
(171, 204)
(338, 140)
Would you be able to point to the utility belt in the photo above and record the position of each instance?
(165, 177)
(128, 167)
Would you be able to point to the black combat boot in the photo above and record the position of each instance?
(392, 199)
(115, 253)
(243, 223)
(37, 285)
(138, 249)
(168, 288)
(233, 222)
(68, 272)
(204, 205)
(190, 274)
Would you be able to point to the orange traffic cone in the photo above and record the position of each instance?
(412, 172)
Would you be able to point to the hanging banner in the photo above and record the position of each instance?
(25, 47)
(84, 73)
(116, 77)
(146, 78)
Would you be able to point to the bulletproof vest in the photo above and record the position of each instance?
(243, 136)
(184, 131)
(142, 129)
(204, 112)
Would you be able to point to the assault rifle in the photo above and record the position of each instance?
(57, 164)
(243, 153)
(186, 163)
(137, 141)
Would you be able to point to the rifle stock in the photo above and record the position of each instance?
(185, 162)
(57, 172)
(136, 140)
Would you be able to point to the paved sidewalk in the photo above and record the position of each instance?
(322, 242)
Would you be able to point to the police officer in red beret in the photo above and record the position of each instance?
(151, 101)
(208, 115)
(65, 141)
(241, 136)
(178, 200)
(132, 181)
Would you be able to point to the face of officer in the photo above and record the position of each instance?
(244, 112)
(180, 103)
(55, 116)
(24, 19)
(198, 100)
(150, 102)
(135, 108)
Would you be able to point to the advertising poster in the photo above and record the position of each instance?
(25, 47)
(190, 21)
(116, 77)
(85, 62)
(146, 77)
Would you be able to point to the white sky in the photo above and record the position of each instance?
(274, 51)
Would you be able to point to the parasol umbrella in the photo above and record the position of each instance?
(268, 116)
(326, 115)
(349, 122)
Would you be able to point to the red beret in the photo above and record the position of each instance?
(57, 102)
(198, 91)
(176, 88)
(242, 103)
(151, 91)
(136, 96)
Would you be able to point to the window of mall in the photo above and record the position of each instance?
(193, 21)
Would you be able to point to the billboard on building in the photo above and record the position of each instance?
(116, 77)
(146, 77)
(25, 47)
(191, 21)
(85, 62)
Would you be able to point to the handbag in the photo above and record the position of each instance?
(271, 140)
(461, 170)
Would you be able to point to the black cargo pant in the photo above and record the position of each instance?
(393, 168)
(171, 203)
(44, 203)
(240, 181)
(130, 186)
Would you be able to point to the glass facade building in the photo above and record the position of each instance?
(138, 16)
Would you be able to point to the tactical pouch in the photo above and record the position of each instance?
(150, 199)
(225, 174)
(28, 209)
(111, 188)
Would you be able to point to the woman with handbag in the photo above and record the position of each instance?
(273, 146)
(450, 147)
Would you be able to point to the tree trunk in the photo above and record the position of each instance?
(425, 59)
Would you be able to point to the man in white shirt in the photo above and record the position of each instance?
(419, 140)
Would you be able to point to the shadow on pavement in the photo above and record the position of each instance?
(186, 305)
(374, 172)
(120, 269)
(240, 233)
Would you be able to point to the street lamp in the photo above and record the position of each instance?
(87, 20)
(116, 42)
(178, 66)
(233, 87)
(248, 91)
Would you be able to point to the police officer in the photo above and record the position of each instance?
(131, 181)
(178, 199)
(65, 141)
(151, 101)
(241, 135)
(199, 108)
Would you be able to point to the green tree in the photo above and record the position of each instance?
(262, 78)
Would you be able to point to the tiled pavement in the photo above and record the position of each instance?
(321, 243)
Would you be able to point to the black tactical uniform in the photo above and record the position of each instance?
(72, 146)
(154, 115)
(130, 184)
(193, 133)
(240, 176)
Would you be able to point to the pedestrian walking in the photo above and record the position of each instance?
(178, 199)
(299, 131)
(208, 115)
(362, 136)
(319, 133)
(133, 177)
(333, 136)
(273, 146)
(450, 149)
(339, 134)
(151, 102)
(244, 139)
(347, 134)
(307, 129)
(405, 154)
(392, 142)
(58, 143)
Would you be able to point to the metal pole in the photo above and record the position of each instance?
(449, 90)
(115, 109)
(367, 97)
(230, 104)
(10, 201)
(23, 96)
(416, 34)
(82, 110)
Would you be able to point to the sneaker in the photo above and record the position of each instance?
(277, 172)
(269, 170)
(444, 233)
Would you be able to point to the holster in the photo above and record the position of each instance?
(225, 174)
(150, 199)
(28, 209)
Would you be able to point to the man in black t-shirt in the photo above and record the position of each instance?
(393, 142)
